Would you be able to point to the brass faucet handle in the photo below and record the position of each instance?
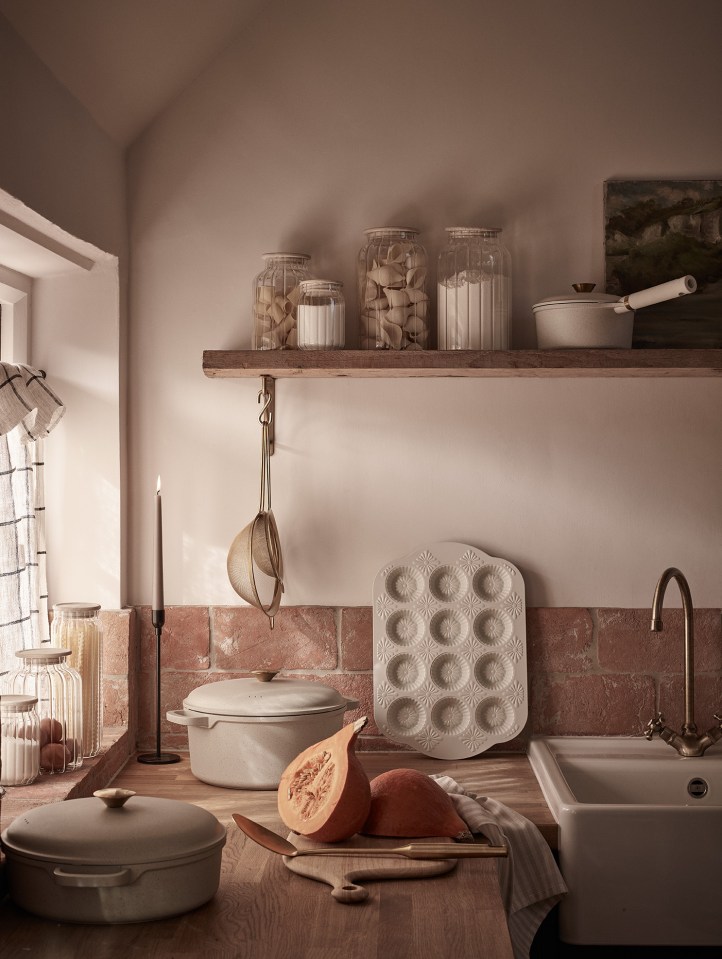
(718, 718)
(655, 725)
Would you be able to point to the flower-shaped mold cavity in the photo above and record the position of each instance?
(448, 627)
(450, 716)
(494, 715)
(405, 717)
(450, 672)
(492, 583)
(494, 671)
(493, 627)
(405, 672)
(448, 584)
(404, 584)
(404, 627)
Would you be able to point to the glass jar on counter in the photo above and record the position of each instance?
(275, 299)
(19, 740)
(393, 302)
(77, 627)
(46, 676)
(321, 315)
(474, 291)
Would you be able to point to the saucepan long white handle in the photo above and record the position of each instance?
(656, 294)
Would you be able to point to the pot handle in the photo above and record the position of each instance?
(183, 718)
(124, 877)
(351, 703)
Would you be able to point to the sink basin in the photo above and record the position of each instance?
(640, 839)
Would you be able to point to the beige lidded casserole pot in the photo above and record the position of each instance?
(113, 859)
(243, 733)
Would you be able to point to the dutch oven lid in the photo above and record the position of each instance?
(249, 697)
(582, 296)
(116, 828)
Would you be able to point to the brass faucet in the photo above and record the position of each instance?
(689, 742)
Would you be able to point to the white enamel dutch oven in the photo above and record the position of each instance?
(113, 859)
(585, 319)
(243, 733)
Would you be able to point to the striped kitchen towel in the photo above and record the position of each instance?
(529, 877)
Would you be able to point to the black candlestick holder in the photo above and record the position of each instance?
(158, 758)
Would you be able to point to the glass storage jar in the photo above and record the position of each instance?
(393, 303)
(76, 626)
(275, 298)
(474, 291)
(321, 315)
(19, 740)
(57, 687)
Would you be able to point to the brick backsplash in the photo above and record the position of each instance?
(591, 671)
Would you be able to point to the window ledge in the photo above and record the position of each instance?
(94, 774)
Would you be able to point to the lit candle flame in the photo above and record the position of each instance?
(157, 489)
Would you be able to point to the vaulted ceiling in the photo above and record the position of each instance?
(125, 60)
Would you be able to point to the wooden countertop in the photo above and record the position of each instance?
(263, 911)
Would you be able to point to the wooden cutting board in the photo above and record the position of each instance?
(343, 873)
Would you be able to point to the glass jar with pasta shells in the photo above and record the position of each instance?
(474, 290)
(393, 302)
(77, 627)
(46, 676)
(275, 300)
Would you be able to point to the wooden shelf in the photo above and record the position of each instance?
(392, 363)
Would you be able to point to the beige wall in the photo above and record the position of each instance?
(325, 118)
(62, 176)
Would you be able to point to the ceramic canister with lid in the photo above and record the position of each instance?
(115, 858)
(243, 733)
(393, 302)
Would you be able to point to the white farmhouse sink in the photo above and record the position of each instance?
(640, 839)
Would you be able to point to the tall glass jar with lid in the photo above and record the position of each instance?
(393, 302)
(46, 676)
(474, 291)
(275, 299)
(77, 627)
(321, 315)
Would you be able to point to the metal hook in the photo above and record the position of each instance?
(267, 396)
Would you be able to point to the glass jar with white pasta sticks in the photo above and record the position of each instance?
(57, 687)
(275, 300)
(474, 291)
(77, 627)
(393, 302)
(321, 315)
(19, 740)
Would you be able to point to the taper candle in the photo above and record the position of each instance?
(158, 603)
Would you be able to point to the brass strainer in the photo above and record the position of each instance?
(257, 547)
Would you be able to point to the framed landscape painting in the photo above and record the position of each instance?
(658, 230)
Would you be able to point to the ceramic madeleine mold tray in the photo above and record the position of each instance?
(449, 629)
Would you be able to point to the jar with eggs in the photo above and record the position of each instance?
(276, 292)
(57, 687)
(393, 302)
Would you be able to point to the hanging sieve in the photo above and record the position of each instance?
(257, 546)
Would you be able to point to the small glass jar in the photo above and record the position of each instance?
(77, 627)
(57, 687)
(275, 299)
(474, 291)
(19, 740)
(321, 315)
(394, 305)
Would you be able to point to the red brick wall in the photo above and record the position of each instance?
(591, 671)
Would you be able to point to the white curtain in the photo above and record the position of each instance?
(29, 410)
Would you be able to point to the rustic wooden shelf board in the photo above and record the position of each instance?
(468, 363)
